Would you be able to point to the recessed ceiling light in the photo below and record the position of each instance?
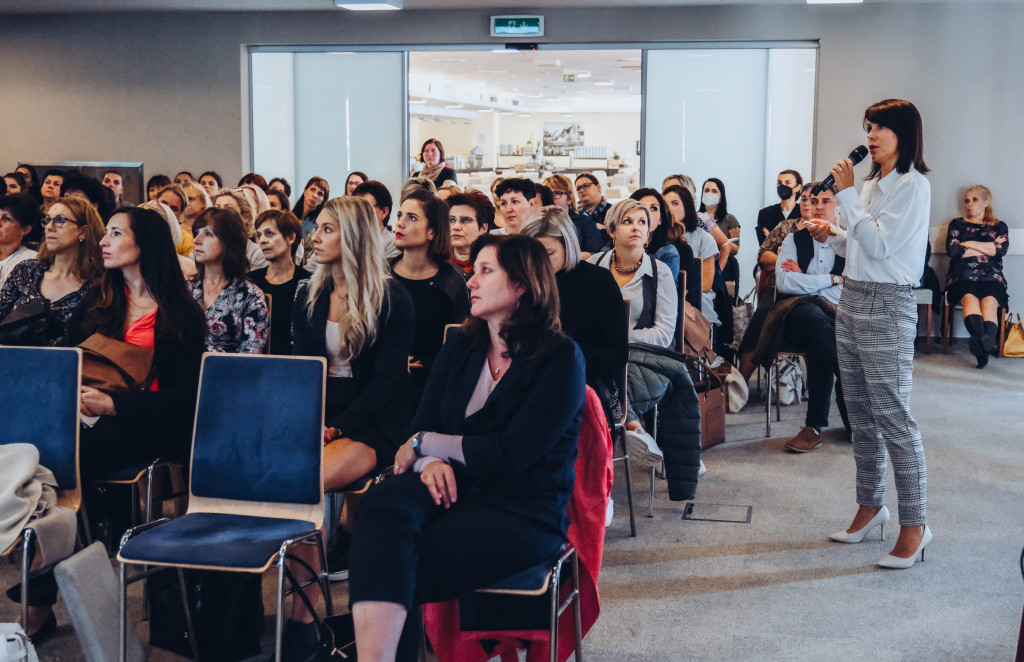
(368, 5)
(834, 2)
(604, 83)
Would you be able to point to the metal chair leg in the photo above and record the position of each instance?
(778, 390)
(768, 402)
(279, 619)
(26, 548)
(576, 615)
(188, 615)
(629, 484)
(553, 632)
(122, 610)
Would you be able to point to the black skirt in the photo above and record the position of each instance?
(385, 438)
(978, 288)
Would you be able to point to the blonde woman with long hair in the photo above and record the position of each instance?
(357, 316)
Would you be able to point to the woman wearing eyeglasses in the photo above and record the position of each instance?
(62, 274)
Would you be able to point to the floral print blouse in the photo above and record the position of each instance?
(237, 321)
(22, 287)
(979, 267)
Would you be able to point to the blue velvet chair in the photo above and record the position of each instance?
(39, 406)
(256, 480)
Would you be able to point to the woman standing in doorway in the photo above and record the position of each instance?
(434, 167)
(884, 247)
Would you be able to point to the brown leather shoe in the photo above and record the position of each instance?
(805, 441)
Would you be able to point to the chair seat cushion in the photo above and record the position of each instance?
(214, 540)
(533, 580)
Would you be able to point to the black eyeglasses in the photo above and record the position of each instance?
(58, 221)
(583, 187)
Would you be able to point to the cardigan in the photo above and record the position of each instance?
(593, 314)
(380, 370)
(519, 448)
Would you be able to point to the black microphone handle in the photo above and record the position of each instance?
(856, 156)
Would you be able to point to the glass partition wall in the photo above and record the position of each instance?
(740, 113)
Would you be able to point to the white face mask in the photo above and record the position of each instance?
(710, 200)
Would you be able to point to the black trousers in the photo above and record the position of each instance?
(408, 551)
(809, 330)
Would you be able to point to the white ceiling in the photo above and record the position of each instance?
(75, 6)
(606, 80)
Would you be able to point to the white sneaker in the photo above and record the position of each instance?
(702, 469)
(609, 513)
(642, 447)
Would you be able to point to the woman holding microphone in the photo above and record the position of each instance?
(876, 323)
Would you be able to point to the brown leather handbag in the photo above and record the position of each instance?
(114, 366)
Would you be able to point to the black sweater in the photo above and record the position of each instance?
(592, 314)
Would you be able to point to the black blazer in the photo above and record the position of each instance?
(380, 371)
(520, 448)
(171, 409)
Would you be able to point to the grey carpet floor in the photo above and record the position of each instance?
(775, 588)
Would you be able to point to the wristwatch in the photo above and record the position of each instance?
(417, 441)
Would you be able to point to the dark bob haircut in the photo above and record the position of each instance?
(381, 195)
(519, 184)
(479, 203)
(227, 226)
(902, 118)
(286, 223)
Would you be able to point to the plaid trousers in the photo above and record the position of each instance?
(875, 328)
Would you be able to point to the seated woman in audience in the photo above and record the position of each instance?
(470, 214)
(156, 184)
(680, 205)
(659, 244)
(32, 182)
(187, 264)
(714, 217)
(15, 183)
(63, 272)
(590, 305)
(236, 201)
(307, 209)
(438, 290)
(354, 179)
(18, 217)
(255, 179)
(198, 202)
(484, 483)
(434, 167)
(278, 233)
(257, 199)
(278, 200)
(647, 285)
(591, 239)
(279, 184)
(447, 191)
(976, 245)
(235, 309)
(174, 196)
(135, 303)
(211, 182)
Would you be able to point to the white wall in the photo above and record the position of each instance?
(167, 89)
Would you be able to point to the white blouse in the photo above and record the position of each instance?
(335, 366)
(887, 229)
(667, 302)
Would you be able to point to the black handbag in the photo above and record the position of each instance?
(226, 609)
(31, 324)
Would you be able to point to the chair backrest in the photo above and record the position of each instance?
(257, 443)
(39, 405)
(449, 332)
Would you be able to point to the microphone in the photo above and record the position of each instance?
(856, 156)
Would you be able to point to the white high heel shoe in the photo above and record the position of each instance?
(880, 519)
(898, 563)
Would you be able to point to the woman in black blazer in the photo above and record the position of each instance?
(484, 483)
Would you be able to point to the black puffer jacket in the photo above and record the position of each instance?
(658, 376)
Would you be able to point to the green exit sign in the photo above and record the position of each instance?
(517, 26)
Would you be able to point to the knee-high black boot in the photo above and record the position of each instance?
(976, 327)
(990, 338)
